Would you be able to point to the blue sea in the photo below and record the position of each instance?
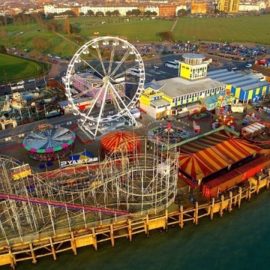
(238, 240)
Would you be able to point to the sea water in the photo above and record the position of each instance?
(238, 240)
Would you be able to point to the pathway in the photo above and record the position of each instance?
(174, 24)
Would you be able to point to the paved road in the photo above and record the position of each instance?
(65, 120)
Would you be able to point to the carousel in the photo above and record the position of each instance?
(47, 143)
(168, 132)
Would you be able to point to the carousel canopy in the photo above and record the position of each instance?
(120, 141)
(48, 140)
(210, 154)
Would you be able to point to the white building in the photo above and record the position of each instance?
(248, 7)
(50, 9)
(104, 9)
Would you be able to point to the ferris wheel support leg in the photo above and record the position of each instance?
(123, 103)
(101, 109)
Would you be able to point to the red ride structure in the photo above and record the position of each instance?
(71, 206)
(118, 141)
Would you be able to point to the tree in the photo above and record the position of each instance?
(3, 33)
(70, 13)
(90, 12)
(99, 14)
(40, 43)
(3, 49)
(108, 13)
(53, 26)
(166, 36)
(147, 13)
(181, 12)
(133, 12)
(116, 13)
(67, 26)
(136, 12)
(75, 28)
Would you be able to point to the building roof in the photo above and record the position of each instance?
(153, 84)
(175, 87)
(211, 153)
(118, 141)
(160, 102)
(237, 79)
(193, 56)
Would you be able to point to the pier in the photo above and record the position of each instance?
(16, 250)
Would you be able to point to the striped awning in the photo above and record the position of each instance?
(210, 159)
(120, 141)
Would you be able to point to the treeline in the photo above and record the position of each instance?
(22, 18)
(43, 21)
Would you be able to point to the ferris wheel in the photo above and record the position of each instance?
(103, 83)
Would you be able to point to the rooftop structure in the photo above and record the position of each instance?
(178, 87)
(193, 67)
(244, 87)
(209, 153)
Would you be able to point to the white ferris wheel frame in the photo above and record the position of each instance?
(86, 119)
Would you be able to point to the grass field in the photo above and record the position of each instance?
(15, 68)
(254, 29)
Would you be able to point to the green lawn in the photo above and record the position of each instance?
(15, 68)
(142, 29)
(255, 29)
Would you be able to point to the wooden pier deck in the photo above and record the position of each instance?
(124, 227)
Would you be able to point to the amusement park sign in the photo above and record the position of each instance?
(66, 163)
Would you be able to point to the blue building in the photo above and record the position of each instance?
(245, 87)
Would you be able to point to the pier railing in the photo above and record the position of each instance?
(36, 246)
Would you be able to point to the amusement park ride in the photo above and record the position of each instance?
(113, 91)
(126, 181)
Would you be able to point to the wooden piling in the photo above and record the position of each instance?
(181, 216)
(125, 227)
(212, 209)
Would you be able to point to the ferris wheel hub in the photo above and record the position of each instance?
(106, 79)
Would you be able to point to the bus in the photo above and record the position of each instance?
(172, 64)
(134, 71)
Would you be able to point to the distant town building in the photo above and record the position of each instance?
(249, 7)
(162, 10)
(199, 7)
(122, 9)
(228, 6)
(51, 9)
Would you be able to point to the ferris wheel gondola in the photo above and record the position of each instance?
(100, 72)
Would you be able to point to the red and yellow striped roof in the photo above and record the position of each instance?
(120, 141)
(210, 159)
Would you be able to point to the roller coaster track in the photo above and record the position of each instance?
(67, 205)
